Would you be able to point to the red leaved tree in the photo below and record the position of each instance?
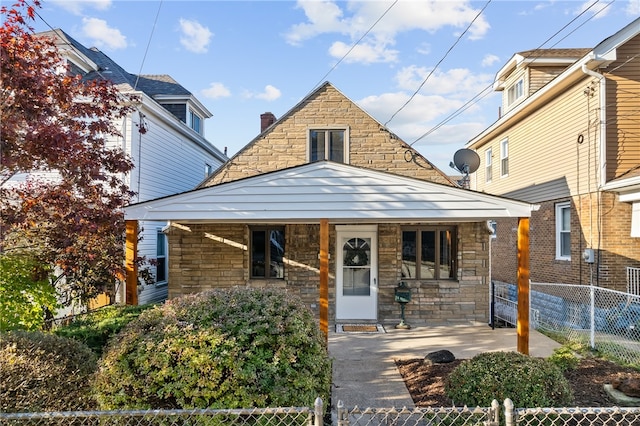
(52, 121)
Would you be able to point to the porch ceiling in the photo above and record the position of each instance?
(328, 190)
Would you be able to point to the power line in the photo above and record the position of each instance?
(439, 62)
(534, 55)
(354, 45)
(144, 57)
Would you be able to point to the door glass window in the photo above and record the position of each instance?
(356, 255)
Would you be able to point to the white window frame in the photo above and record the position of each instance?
(635, 219)
(504, 157)
(345, 148)
(161, 234)
(515, 92)
(560, 231)
(488, 165)
(193, 125)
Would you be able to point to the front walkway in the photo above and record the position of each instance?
(364, 371)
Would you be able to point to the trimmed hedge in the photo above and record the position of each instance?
(529, 382)
(234, 348)
(44, 372)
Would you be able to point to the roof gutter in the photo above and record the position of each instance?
(602, 172)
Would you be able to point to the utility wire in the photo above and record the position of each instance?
(144, 57)
(438, 64)
(534, 55)
(354, 45)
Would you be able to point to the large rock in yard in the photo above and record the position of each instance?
(439, 357)
(629, 386)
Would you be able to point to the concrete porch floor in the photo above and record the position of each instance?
(364, 371)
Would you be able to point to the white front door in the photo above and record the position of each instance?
(357, 272)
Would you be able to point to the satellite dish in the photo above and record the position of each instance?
(466, 160)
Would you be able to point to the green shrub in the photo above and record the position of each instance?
(44, 372)
(235, 348)
(564, 358)
(529, 382)
(25, 293)
(96, 327)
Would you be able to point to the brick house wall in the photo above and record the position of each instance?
(215, 256)
(592, 215)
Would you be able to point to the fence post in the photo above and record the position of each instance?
(318, 412)
(343, 414)
(509, 419)
(494, 413)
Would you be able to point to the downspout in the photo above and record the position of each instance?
(602, 167)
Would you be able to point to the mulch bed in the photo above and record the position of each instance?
(426, 382)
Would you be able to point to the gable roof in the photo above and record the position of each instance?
(327, 190)
(102, 67)
(600, 56)
(244, 162)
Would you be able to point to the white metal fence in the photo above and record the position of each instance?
(633, 280)
(607, 320)
(495, 415)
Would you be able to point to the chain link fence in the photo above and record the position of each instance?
(507, 415)
(259, 416)
(606, 320)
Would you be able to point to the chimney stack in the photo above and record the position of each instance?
(266, 120)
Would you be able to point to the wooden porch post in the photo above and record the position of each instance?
(523, 285)
(131, 253)
(324, 278)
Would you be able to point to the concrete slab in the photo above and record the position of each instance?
(364, 370)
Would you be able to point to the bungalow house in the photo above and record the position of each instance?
(164, 137)
(330, 205)
(569, 141)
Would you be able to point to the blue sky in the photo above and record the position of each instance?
(243, 58)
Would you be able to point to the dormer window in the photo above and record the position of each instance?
(195, 122)
(515, 92)
(328, 144)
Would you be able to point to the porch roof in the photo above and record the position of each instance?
(327, 190)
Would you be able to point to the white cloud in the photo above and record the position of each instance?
(195, 37)
(362, 53)
(102, 35)
(633, 8)
(323, 16)
(599, 10)
(489, 60)
(216, 91)
(270, 93)
(78, 6)
(431, 16)
(454, 83)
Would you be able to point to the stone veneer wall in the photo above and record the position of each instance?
(370, 145)
(211, 256)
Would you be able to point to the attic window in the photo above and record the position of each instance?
(515, 92)
(195, 122)
(328, 144)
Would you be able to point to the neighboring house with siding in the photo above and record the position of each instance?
(164, 136)
(569, 141)
(330, 205)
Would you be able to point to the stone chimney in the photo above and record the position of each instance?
(266, 120)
